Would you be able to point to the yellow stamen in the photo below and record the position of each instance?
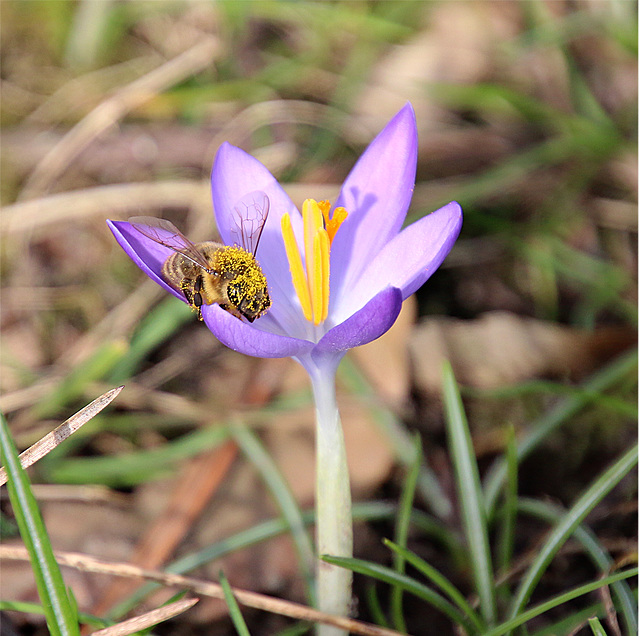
(295, 265)
(319, 281)
(318, 233)
(325, 248)
(312, 222)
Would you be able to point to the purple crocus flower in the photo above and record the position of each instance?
(374, 263)
(336, 280)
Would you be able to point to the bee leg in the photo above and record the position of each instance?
(197, 296)
(186, 290)
(194, 300)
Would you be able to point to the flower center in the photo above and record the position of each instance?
(312, 286)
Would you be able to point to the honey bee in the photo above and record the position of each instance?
(212, 272)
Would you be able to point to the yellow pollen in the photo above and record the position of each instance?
(319, 230)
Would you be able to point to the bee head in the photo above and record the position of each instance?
(248, 295)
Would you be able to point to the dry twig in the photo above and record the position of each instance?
(67, 428)
(85, 563)
(148, 619)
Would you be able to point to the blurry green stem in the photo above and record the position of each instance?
(333, 503)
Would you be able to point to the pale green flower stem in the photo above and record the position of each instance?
(334, 534)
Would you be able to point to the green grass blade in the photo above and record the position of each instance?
(509, 512)
(387, 575)
(471, 502)
(38, 610)
(440, 581)
(280, 490)
(596, 627)
(60, 615)
(375, 608)
(234, 609)
(548, 423)
(73, 603)
(568, 624)
(134, 468)
(567, 525)
(565, 597)
(402, 532)
(623, 596)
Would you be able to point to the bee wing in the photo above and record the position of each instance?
(249, 216)
(166, 233)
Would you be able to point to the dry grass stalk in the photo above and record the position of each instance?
(85, 563)
(115, 108)
(148, 619)
(45, 445)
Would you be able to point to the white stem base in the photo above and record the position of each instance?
(333, 506)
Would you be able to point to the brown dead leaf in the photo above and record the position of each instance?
(385, 361)
(500, 348)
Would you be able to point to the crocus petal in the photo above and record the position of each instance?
(245, 338)
(365, 325)
(409, 259)
(376, 194)
(148, 255)
(235, 174)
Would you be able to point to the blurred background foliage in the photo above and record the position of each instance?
(527, 115)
